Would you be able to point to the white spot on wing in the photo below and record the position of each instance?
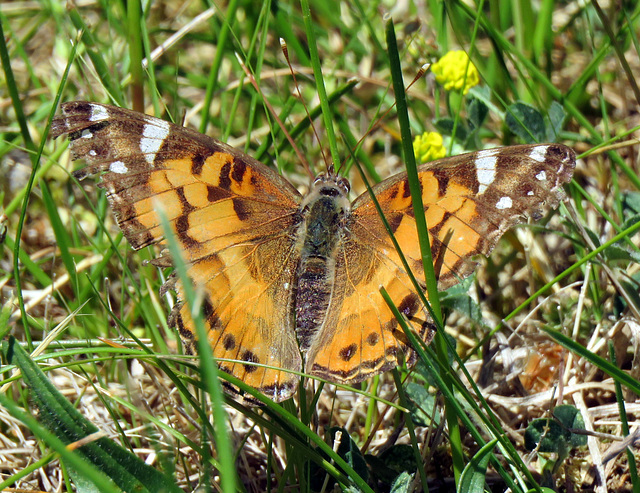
(153, 135)
(92, 153)
(118, 167)
(486, 169)
(98, 113)
(86, 134)
(504, 203)
(542, 176)
(530, 193)
(538, 153)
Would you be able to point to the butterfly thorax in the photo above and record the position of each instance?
(324, 213)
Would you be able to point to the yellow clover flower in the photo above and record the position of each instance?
(449, 70)
(429, 147)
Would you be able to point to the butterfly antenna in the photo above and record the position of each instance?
(285, 52)
(378, 123)
(252, 79)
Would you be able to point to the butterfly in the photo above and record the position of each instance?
(292, 282)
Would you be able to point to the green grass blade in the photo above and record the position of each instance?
(125, 469)
(320, 87)
(606, 366)
(412, 174)
(208, 367)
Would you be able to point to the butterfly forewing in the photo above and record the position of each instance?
(469, 202)
(234, 218)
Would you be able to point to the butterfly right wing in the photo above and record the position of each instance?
(235, 221)
(469, 202)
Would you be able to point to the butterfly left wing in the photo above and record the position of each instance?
(234, 220)
(469, 202)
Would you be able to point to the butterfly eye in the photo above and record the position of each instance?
(344, 184)
(322, 178)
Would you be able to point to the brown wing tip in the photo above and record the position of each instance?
(566, 156)
(73, 113)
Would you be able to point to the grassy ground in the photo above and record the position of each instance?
(547, 327)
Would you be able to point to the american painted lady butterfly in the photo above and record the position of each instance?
(286, 275)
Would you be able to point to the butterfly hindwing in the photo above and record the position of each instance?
(363, 337)
(234, 219)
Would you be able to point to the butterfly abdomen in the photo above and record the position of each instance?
(324, 212)
(312, 298)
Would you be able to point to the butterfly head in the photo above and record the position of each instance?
(327, 197)
(327, 181)
(332, 186)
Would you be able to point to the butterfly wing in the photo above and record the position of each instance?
(233, 217)
(469, 202)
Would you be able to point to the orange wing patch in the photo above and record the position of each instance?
(466, 216)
